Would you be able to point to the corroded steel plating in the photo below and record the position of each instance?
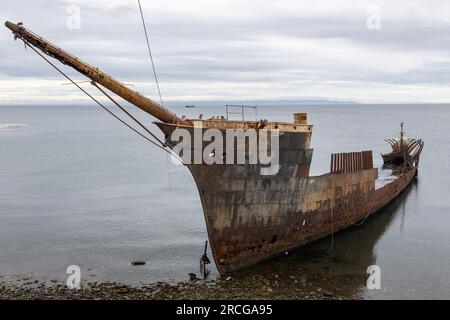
(404, 150)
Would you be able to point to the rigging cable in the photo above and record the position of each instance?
(126, 112)
(93, 98)
(156, 78)
(150, 52)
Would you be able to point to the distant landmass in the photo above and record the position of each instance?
(271, 102)
(259, 102)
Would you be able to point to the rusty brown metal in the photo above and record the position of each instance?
(332, 163)
(367, 160)
(351, 162)
(300, 118)
(404, 150)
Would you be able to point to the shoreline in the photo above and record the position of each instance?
(257, 287)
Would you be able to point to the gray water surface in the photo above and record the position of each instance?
(76, 187)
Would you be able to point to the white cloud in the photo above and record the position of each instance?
(224, 49)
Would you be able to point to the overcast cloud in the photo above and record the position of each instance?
(238, 50)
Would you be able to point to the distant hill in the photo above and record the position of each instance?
(272, 102)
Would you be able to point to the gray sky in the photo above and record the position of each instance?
(239, 50)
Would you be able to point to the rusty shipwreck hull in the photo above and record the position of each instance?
(251, 218)
(271, 215)
(243, 234)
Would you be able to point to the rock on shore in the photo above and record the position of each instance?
(252, 287)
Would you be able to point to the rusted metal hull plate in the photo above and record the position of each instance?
(251, 218)
(269, 217)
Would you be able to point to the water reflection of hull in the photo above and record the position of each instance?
(354, 248)
(337, 263)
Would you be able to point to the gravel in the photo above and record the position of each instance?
(253, 286)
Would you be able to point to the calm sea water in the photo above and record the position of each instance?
(76, 187)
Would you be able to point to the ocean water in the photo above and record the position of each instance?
(78, 188)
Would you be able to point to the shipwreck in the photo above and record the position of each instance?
(250, 216)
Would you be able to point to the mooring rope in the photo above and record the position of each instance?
(348, 218)
(332, 231)
(367, 215)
